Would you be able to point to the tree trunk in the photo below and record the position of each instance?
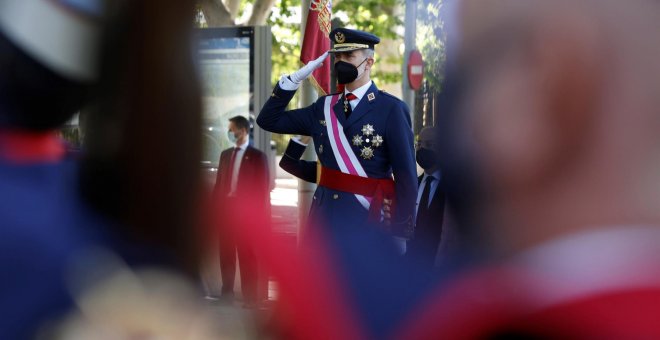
(260, 12)
(436, 106)
(215, 13)
(233, 6)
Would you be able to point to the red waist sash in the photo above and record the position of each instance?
(378, 189)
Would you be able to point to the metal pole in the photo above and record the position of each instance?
(408, 95)
(308, 96)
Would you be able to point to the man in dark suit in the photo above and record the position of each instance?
(430, 206)
(242, 192)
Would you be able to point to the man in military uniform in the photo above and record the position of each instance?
(363, 139)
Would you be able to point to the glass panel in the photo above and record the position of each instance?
(224, 66)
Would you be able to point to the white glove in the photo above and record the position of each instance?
(306, 70)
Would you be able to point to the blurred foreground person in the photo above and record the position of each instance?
(44, 220)
(552, 162)
(242, 194)
(73, 237)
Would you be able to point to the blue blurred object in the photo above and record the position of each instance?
(44, 225)
(386, 289)
(92, 7)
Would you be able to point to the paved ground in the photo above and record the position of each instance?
(284, 203)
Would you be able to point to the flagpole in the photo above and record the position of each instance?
(308, 96)
(408, 94)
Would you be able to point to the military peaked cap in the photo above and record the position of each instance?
(345, 40)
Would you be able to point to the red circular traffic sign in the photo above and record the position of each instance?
(415, 70)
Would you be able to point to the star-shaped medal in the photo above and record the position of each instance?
(367, 153)
(368, 130)
(377, 141)
(357, 140)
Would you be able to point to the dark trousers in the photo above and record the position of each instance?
(423, 248)
(232, 244)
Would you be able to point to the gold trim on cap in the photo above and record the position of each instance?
(351, 45)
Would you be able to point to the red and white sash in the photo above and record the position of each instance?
(341, 148)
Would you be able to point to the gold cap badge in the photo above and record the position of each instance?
(339, 37)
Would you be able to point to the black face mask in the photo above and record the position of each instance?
(426, 158)
(346, 72)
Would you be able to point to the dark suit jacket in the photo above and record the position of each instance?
(252, 188)
(428, 232)
(437, 206)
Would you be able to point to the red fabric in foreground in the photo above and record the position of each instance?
(27, 146)
(498, 303)
(309, 286)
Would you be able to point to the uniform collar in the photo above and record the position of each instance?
(360, 91)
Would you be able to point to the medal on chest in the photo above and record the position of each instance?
(368, 141)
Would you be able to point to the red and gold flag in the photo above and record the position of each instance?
(316, 41)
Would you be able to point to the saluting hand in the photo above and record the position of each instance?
(306, 70)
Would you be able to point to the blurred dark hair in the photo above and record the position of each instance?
(32, 96)
(240, 122)
(142, 143)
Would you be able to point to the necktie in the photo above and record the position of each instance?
(230, 171)
(347, 104)
(424, 200)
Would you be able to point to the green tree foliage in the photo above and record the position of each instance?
(285, 25)
(377, 17)
(431, 38)
(381, 17)
(431, 41)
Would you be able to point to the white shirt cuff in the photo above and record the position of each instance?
(297, 140)
(287, 84)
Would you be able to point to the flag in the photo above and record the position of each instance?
(316, 41)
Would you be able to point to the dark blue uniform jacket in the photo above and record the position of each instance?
(394, 156)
